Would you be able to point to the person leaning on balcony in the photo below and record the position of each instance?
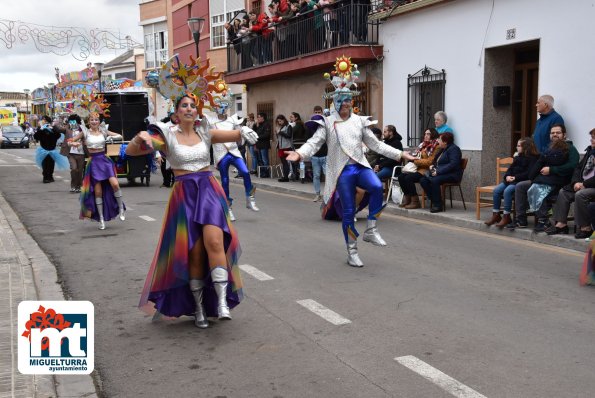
(581, 191)
(440, 119)
(445, 168)
(425, 153)
(547, 118)
(517, 172)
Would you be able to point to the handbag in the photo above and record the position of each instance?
(397, 194)
(409, 168)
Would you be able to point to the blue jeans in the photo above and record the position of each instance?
(508, 192)
(384, 173)
(264, 156)
(252, 150)
(318, 165)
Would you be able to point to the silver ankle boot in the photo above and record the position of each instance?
(251, 203)
(219, 276)
(101, 224)
(200, 318)
(352, 256)
(231, 216)
(372, 235)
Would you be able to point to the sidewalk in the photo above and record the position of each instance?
(457, 216)
(27, 274)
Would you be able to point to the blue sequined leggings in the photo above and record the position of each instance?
(239, 164)
(352, 176)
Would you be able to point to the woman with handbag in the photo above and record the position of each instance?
(412, 172)
(284, 143)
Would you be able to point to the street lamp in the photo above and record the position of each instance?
(99, 68)
(51, 87)
(196, 25)
(27, 91)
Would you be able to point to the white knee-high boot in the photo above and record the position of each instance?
(99, 204)
(200, 317)
(118, 195)
(352, 255)
(219, 275)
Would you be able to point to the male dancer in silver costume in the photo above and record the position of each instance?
(347, 167)
(228, 154)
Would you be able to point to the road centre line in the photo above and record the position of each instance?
(59, 177)
(147, 218)
(323, 312)
(255, 272)
(437, 377)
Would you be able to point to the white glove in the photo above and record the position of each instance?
(236, 119)
(249, 135)
(109, 140)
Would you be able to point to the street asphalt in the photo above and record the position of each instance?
(448, 308)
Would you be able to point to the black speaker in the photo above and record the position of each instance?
(501, 96)
(127, 113)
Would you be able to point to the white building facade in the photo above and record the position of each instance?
(522, 47)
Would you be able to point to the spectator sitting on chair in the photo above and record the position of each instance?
(581, 191)
(440, 119)
(384, 167)
(425, 153)
(370, 155)
(549, 173)
(517, 172)
(446, 168)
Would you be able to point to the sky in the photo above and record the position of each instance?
(25, 67)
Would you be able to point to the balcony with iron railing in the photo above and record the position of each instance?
(306, 43)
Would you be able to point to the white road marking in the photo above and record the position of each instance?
(323, 312)
(147, 218)
(442, 380)
(59, 177)
(20, 160)
(66, 180)
(128, 208)
(2, 161)
(255, 272)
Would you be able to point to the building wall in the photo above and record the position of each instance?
(565, 66)
(153, 9)
(458, 44)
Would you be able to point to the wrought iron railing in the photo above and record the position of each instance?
(345, 24)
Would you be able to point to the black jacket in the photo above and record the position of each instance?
(520, 168)
(577, 176)
(395, 142)
(264, 135)
(298, 134)
(48, 137)
(561, 169)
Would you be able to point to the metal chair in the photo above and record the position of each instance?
(392, 181)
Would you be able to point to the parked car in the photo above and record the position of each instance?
(14, 137)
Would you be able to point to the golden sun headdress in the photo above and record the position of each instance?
(343, 78)
(92, 105)
(175, 80)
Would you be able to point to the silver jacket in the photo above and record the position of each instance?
(220, 150)
(344, 139)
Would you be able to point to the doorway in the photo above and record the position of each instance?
(524, 93)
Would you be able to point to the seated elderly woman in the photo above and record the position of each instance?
(440, 119)
(425, 153)
(445, 168)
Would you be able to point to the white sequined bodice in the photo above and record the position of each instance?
(94, 141)
(187, 157)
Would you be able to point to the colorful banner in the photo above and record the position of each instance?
(8, 115)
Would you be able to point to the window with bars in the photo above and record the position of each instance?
(425, 97)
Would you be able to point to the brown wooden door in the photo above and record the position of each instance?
(526, 78)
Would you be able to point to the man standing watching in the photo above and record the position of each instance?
(263, 129)
(547, 118)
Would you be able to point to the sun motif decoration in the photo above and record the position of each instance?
(176, 79)
(94, 103)
(343, 77)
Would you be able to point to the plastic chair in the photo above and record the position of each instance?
(392, 181)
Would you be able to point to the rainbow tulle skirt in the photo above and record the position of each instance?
(98, 170)
(196, 199)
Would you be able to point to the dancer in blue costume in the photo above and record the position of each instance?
(347, 167)
(47, 155)
(227, 154)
